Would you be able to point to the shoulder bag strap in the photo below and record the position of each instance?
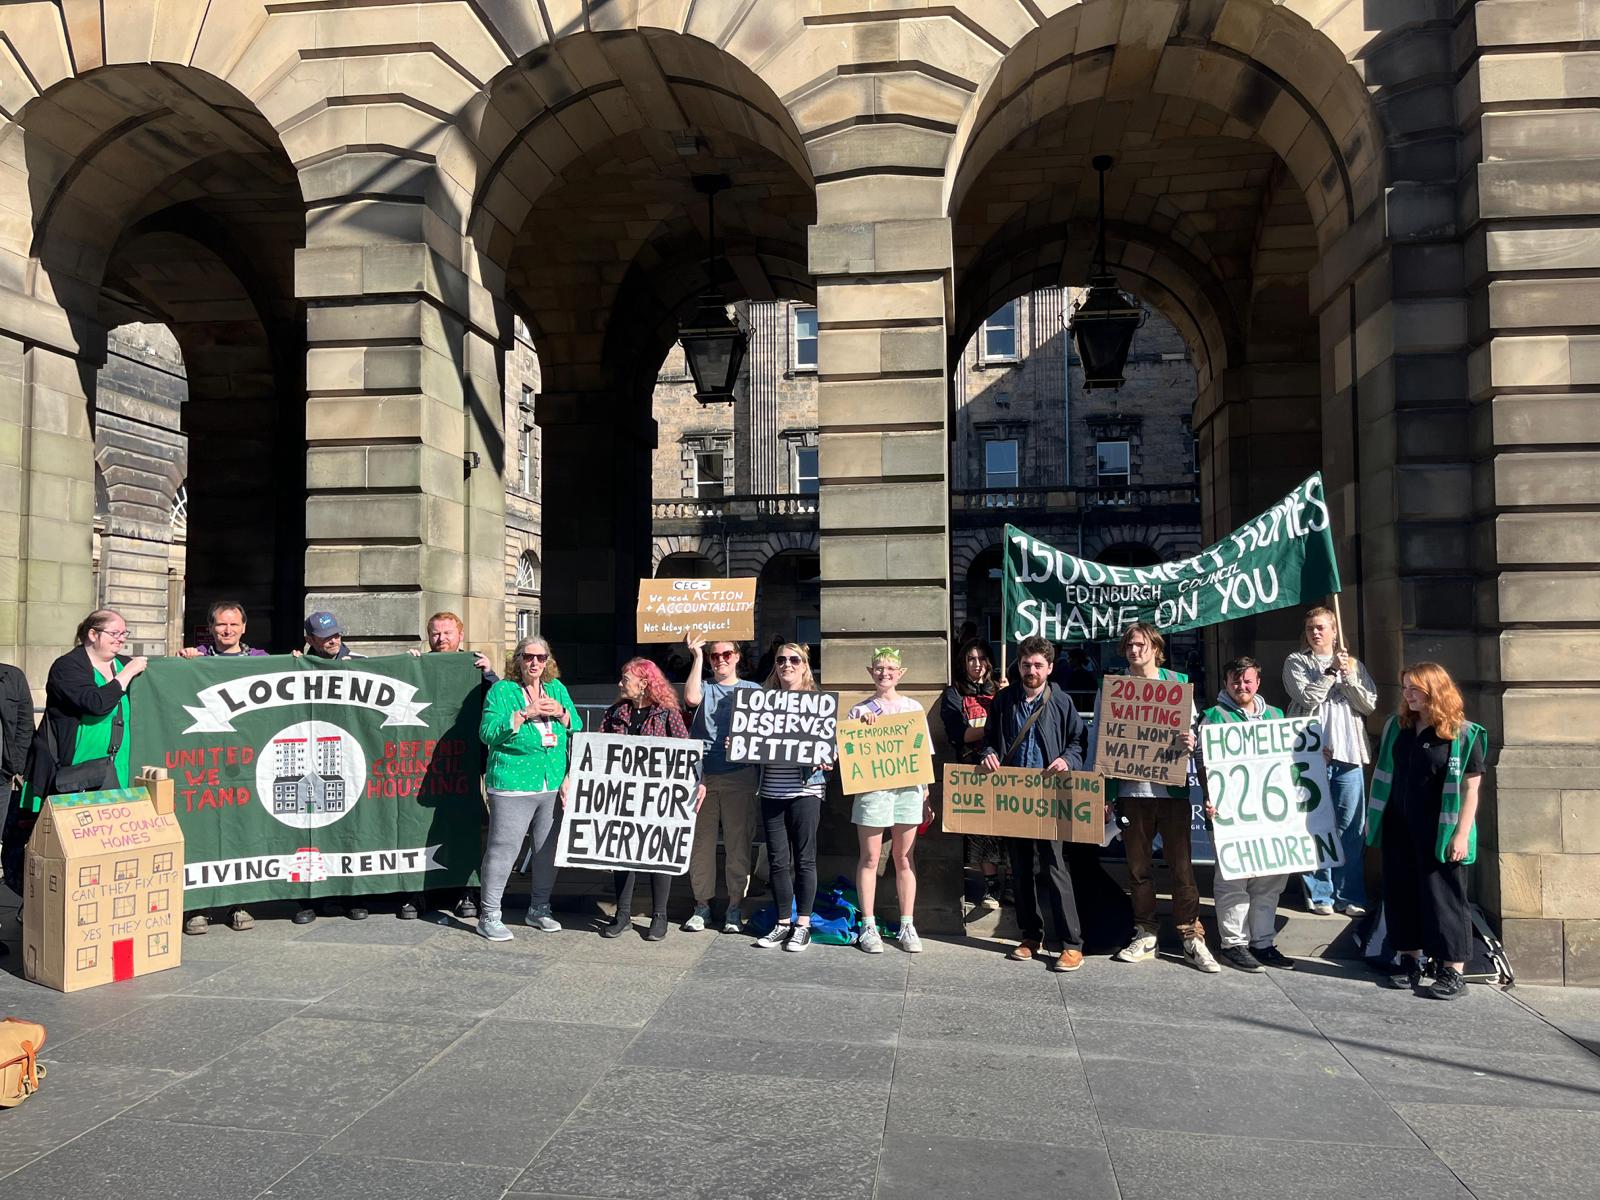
(1026, 725)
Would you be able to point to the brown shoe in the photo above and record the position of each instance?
(1070, 960)
(1023, 951)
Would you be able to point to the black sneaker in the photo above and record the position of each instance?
(1271, 956)
(357, 912)
(658, 928)
(1448, 984)
(799, 939)
(1240, 959)
(774, 938)
(1407, 977)
(407, 911)
(619, 926)
(467, 908)
(304, 916)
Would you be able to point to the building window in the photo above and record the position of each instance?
(805, 339)
(805, 470)
(1111, 460)
(1000, 464)
(999, 336)
(708, 479)
(527, 623)
(528, 572)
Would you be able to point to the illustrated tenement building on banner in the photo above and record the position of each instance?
(1369, 226)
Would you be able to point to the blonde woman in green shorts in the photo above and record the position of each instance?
(900, 810)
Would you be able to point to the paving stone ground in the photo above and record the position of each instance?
(391, 1060)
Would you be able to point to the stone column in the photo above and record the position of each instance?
(1532, 269)
(404, 509)
(882, 403)
(596, 536)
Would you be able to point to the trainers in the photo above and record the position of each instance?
(539, 918)
(1240, 959)
(357, 912)
(1199, 955)
(304, 916)
(196, 924)
(733, 920)
(909, 941)
(991, 892)
(1023, 950)
(1142, 947)
(1271, 956)
(1322, 909)
(407, 910)
(1354, 911)
(697, 919)
(492, 927)
(467, 908)
(1068, 960)
(799, 939)
(1407, 977)
(1448, 984)
(239, 920)
(620, 924)
(658, 928)
(775, 937)
(869, 940)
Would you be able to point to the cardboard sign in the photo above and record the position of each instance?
(1137, 729)
(769, 725)
(630, 803)
(1269, 783)
(102, 891)
(721, 609)
(1024, 803)
(893, 752)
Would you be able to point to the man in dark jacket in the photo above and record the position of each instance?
(1034, 725)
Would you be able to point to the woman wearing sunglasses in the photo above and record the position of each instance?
(791, 807)
(528, 719)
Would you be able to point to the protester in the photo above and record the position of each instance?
(83, 744)
(730, 787)
(226, 624)
(964, 710)
(445, 632)
(646, 706)
(1424, 818)
(16, 734)
(1146, 810)
(791, 807)
(325, 638)
(528, 720)
(1247, 909)
(899, 810)
(1325, 682)
(1034, 724)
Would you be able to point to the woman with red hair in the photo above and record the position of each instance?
(1423, 814)
(646, 706)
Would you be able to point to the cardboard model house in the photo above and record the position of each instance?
(103, 893)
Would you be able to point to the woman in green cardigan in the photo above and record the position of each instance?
(528, 719)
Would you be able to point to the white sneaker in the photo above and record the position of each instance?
(733, 922)
(697, 919)
(1199, 956)
(869, 939)
(909, 941)
(1141, 948)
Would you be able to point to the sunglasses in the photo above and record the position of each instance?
(718, 654)
(535, 657)
(788, 660)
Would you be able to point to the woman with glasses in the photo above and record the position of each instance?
(84, 743)
(528, 719)
(646, 706)
(791, 807)
(1423, 815)
(964, 709)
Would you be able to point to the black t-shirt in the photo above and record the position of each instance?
(1420, 760)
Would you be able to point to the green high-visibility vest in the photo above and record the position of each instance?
(1450, 801)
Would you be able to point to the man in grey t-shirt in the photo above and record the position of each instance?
(730, 787)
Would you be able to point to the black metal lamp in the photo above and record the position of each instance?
(1104, 321)
(713, 344)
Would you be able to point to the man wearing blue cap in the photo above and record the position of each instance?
(325, 637)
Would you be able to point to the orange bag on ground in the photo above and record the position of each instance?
(20, 1042)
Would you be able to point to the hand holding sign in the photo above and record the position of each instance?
(770, 725)
(721, 609)
(888, 751)
(1142, 729)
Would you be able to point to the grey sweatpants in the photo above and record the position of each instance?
(512, 814)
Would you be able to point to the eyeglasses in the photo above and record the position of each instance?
(720, 654)
(534, 657)
(116, 635)
(788, 660)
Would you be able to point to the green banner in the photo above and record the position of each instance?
(1280, 559)
(300, 777)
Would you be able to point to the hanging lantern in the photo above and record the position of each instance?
(713, 343)
(1105, 319)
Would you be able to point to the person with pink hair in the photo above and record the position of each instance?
(646, 706)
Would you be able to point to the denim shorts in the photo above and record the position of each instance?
(891, 806)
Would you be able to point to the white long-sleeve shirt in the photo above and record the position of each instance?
(1339, 703)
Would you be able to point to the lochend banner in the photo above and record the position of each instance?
(1281, 559)
(300, 777)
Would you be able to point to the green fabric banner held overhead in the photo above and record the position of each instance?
(300, 777)
(1280, 559)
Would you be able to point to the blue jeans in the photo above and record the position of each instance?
(1346, 885)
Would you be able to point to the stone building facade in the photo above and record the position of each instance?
(1370, 224)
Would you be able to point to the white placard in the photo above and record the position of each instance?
(630, 803)
(1269, 783)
